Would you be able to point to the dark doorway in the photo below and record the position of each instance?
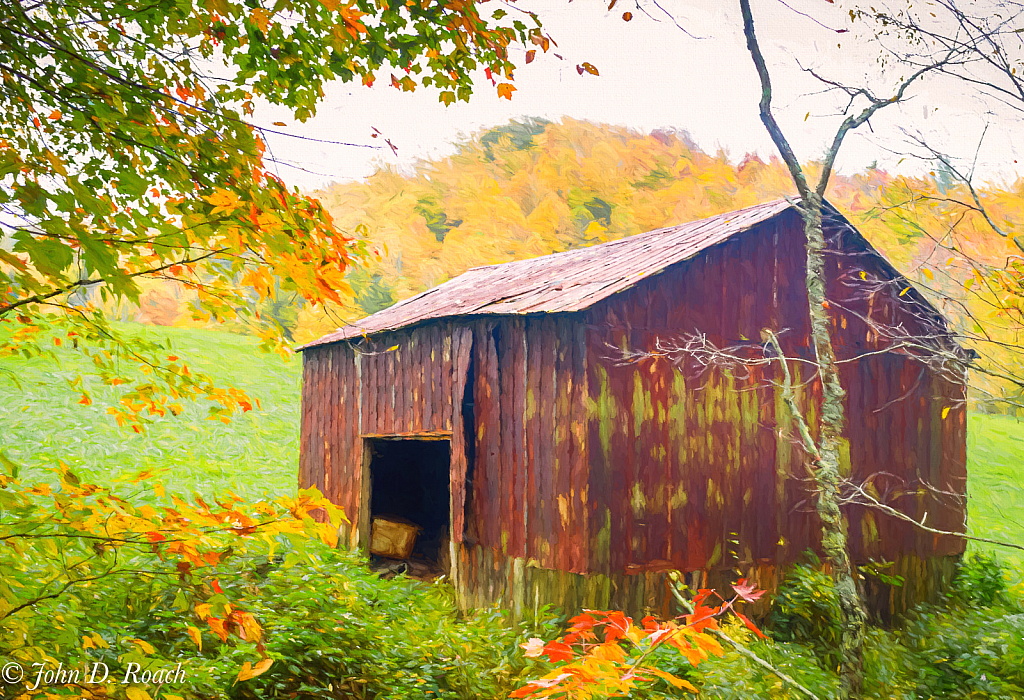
(409, 478)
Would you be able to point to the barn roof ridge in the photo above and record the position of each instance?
(567, 281)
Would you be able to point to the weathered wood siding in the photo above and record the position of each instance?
(580, 479)
(398, 384)
(697, 468)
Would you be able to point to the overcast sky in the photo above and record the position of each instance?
(652, 74)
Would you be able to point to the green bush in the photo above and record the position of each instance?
(337, 630)
(966, 653)
(249, 607)
(980, 580)
(806, 610)
(734, 676)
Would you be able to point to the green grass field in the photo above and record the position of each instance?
(257, 454)
(995, 485)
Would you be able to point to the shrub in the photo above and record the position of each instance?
(967, 652)
(980, 580)
(337, 630)
(251, 606)
(806, 610)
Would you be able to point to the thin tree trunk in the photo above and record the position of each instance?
(825, 454)
(828, 480)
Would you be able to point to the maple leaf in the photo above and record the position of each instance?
(747, 591)
(248, 671)
(703, 617)
(223, 201)
(533, 647)
(558, 652)
(674, 680)
(260, 18)
(617, 624)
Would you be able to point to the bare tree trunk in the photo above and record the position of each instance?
(824, 454)
(827, 478)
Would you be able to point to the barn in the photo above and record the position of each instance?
(523, 416)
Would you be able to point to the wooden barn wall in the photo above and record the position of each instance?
(399, 383)
(528, 484)
(694, 468)
(330, 451)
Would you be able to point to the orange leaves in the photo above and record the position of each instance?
(184, 538)
(218, 627)
(248, 671)
(673, 680)
(260, 18)
(588, 667)
(196, 636)
(587, 68)
(223, 201)
(557, 652)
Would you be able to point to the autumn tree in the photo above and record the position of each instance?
(127, 154)
(975, 268)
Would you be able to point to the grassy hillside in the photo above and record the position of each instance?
(995, 467)
(257, 453)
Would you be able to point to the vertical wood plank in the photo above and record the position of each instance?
(429, 349)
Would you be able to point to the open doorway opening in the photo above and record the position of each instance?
(409, 482)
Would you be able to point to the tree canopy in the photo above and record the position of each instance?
(127, 154)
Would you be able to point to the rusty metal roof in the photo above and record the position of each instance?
(562, 282)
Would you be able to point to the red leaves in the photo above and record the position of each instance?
(750, 625)
(530, 55)
(580, 628)
(747, 591)
(616, 626)
(703, 618)
(558, 652)
(621, 663)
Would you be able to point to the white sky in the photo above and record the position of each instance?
(652, 75)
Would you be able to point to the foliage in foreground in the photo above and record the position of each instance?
(970, 646)
(184, 599)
